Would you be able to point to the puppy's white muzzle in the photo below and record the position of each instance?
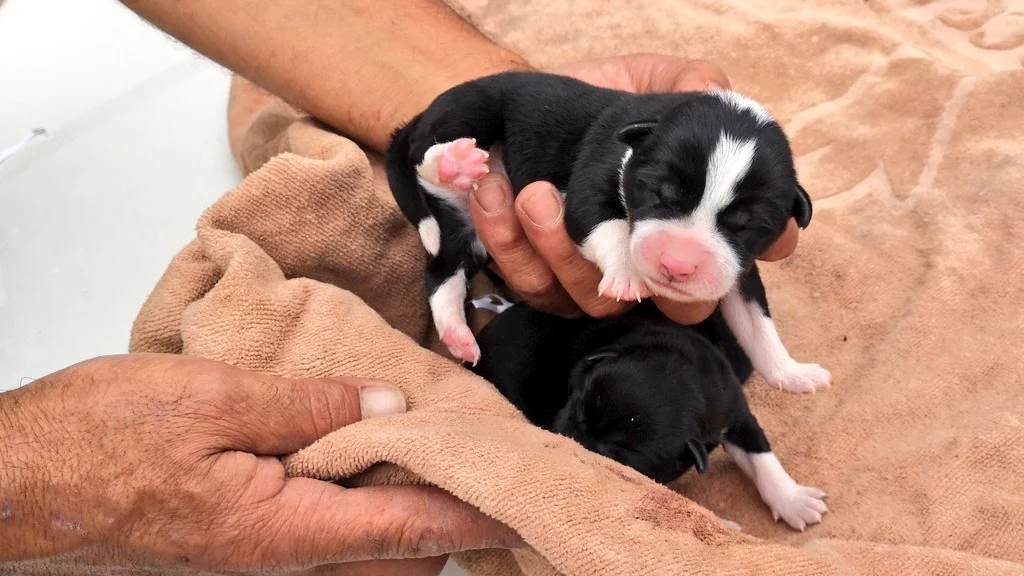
(682, 261)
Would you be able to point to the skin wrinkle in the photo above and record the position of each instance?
(304, 561)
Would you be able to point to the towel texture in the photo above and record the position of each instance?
(905, 117)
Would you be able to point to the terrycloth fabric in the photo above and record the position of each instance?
(905, 117)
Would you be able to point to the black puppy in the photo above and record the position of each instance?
(642, 390)
(672, 194)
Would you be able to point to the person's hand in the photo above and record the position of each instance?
(169, 460)
(526, 235)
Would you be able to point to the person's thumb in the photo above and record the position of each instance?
(270, 415)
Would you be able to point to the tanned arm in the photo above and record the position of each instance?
(362, 66)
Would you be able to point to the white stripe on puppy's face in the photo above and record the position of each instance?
(729, 163)
(740, 102)
(688, 258)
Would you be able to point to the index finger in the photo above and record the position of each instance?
(541, 211)
(312, 523)
(502, 235)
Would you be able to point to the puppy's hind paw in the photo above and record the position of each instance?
(800, 378)
(456, 165)
(462, 344)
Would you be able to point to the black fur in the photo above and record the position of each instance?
(574, 135)
(639, 388)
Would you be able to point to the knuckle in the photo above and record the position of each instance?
(211, 386)
(414, 539)
(502, 238)
(331, 407)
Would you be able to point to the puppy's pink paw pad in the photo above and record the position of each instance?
(460, 164)
(462, 344)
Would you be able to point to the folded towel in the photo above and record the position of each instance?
(905, 117)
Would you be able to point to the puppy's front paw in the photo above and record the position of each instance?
(456, 165)
(797, 378)
(800, 506)
(623, 285)
(461, 343)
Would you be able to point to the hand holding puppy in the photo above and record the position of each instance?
(526, 235)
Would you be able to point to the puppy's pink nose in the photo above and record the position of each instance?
(673, 266)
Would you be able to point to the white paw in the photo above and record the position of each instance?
(799, 378)
(800, 506)
(461, 343)
(621, 285)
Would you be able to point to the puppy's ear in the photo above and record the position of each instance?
(700, 454)
(802, 208)
(633, 134)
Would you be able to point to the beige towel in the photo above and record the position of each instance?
(906, 118)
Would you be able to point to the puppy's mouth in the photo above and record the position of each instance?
(682, 291)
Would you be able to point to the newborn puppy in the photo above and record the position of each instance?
(670, 194)
(642, 390)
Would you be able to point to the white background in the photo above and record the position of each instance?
(91, 214)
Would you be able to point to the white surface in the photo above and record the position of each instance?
(92, 212)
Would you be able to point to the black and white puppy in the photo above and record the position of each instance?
(644, 391)
(671, 194)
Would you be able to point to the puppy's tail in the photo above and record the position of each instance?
(402, 176)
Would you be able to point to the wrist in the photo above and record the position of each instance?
(43, 509)
(422, 85)
(21, 496)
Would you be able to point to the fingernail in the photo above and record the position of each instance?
(381, 401)
(492, 197)
(544, 208)
(715, 86)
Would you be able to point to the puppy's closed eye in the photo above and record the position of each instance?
(669, 193)
(736, 217)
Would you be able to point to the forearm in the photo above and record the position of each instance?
(362, 66)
